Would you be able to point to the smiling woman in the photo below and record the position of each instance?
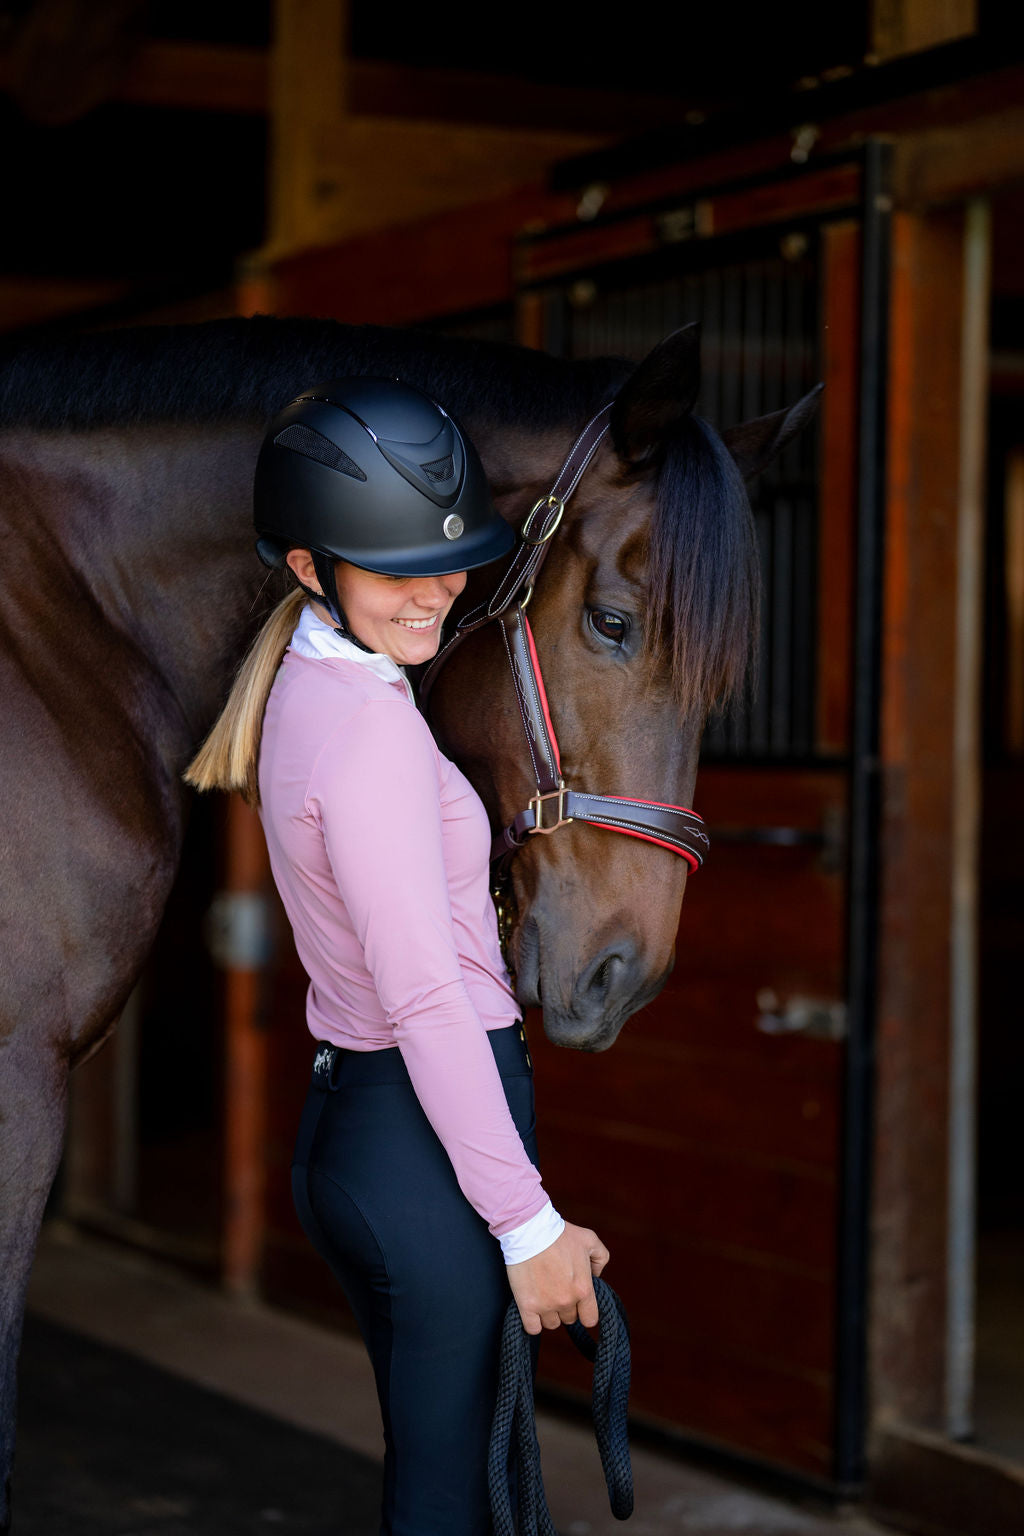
(397, 616)
(423, 1195)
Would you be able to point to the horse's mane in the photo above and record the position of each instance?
(703, 561)
(248, 369)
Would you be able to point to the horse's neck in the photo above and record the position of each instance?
(521, 465)
(150, 530)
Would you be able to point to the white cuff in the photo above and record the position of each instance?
(526, 1241)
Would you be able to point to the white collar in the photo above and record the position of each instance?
(315, 639)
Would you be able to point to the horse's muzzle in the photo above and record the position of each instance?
(610, 990)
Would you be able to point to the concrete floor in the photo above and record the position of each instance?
(320, 1381)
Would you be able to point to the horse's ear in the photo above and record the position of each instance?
(753, 444)
(657, 395)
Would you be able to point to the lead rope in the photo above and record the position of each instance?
(514, 1451)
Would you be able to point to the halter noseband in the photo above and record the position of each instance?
(554, 805)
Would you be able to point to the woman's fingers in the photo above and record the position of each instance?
(588, 1310)
(599, 1257)
(556, 1286)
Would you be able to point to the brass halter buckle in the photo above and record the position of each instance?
(547, 505)
(537, 802)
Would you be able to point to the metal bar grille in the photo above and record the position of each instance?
(759, 319)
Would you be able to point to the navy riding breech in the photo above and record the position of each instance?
(377, 1197)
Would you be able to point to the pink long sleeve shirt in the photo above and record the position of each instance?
(379, 848)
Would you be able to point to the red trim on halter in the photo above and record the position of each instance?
(691, 858)
(636, 800)
(539, 679)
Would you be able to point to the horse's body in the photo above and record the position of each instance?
(128, 584)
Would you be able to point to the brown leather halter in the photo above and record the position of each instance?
(555, 805)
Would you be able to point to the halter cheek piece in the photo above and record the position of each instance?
(555, 805)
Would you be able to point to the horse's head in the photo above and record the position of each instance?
(644, 614)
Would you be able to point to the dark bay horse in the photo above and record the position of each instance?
(128, 589)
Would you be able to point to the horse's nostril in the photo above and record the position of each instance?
(606, 973)
(599, 980)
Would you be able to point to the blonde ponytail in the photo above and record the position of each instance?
(229, 757)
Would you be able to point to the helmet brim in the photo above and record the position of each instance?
(466, 553)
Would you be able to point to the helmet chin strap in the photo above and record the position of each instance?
(328, 598)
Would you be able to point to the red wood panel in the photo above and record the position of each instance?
(705, 1151)
(586, 247)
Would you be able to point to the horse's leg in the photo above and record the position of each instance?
(86, 865)
(34, 1070)
(33, 1103)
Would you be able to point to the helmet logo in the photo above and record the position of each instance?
(453, 526)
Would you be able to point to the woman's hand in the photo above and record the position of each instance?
(556, 1285)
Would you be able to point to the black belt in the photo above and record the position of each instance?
(336, 1067)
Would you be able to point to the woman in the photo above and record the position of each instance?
(415, 1168)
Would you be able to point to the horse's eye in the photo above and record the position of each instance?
(610, 626)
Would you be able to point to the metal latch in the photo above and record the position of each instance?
(818, 1018)
(238, 930)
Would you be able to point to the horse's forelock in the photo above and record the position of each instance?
(703, 570)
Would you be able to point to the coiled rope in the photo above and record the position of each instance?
(514, 1454)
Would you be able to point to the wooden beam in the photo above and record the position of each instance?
(950, 162)
(233, 78)
(380, 88)
(910, 26)
(198, 77)
(441, 265)
(37, 300)
(62, 58)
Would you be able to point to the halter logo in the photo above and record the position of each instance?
(453, 527)
(525, 681)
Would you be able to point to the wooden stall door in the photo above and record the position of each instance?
(705, 1146)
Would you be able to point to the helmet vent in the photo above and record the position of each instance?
(440, 469)
(315, 446)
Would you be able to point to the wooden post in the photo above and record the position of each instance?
(911, 26)
(1013, 655)
(308, 110)
(255, 287)
(909, 1297)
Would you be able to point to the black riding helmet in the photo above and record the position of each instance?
(375, 472)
